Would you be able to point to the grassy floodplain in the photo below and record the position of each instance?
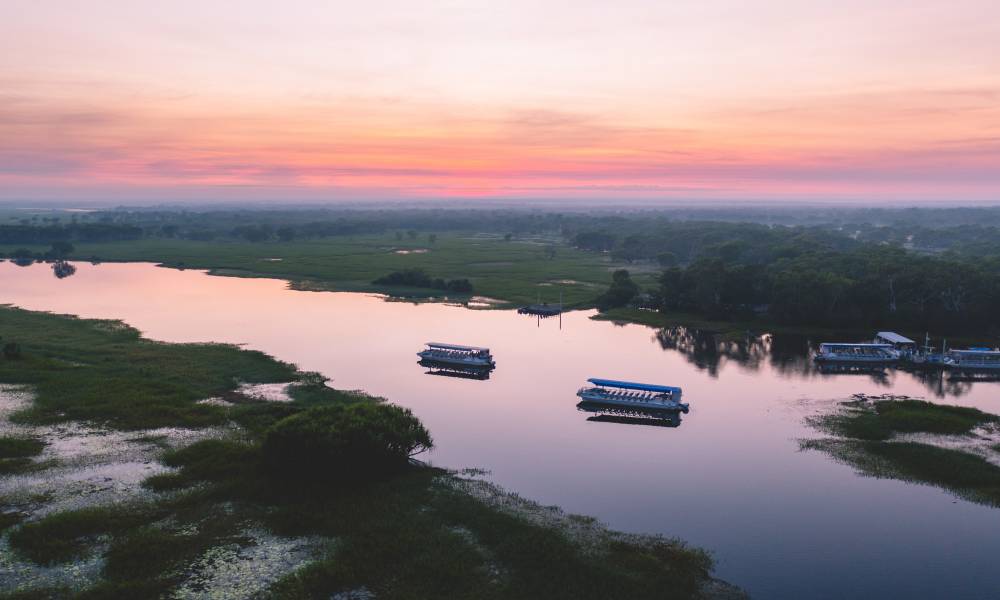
(512, 272)
(921, 442)
(423, 533)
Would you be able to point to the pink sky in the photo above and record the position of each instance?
(714, 99)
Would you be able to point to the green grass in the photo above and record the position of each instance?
(883, 419)
(67, 535)
(514, 272)
(20, 447)
(105, 372)
(16, 453)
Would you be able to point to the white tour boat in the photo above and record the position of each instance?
(459, 356)
(628, 394)
(856, 353)
(974, 360)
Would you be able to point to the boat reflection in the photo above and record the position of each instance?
(604, 413)
(449, 370)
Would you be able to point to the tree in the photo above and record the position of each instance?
(507, 237)
(550, 252)
(334, 443)
(667, 259)
(622, 291)
(61, 249)
(412, 234)
(285, 234)
(432, 238)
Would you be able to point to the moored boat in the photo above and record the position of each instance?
(629, 394)
(973, 360)
(456, 355)
(859, 353)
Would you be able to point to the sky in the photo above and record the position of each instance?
(707, 100)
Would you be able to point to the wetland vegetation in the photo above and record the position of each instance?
(313, 494)
(950, 447)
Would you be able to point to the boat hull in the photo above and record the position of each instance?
(467, 362)
(665, 404)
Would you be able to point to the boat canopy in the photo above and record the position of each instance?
(893, 338)
(849, 345)
(456, 347)
(976, 352)
(629, 385)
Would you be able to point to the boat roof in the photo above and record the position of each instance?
(456, 347)
(893, 337)
(630, 385)
(850, 345)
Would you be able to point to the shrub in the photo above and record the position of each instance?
(338, 442)
(12, 350)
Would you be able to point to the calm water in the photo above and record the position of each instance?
(781, 523)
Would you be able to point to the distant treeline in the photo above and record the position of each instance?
(870, 286)
(72, 232)
(418, 278)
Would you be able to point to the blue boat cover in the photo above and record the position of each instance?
(629, 385)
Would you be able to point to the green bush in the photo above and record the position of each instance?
(334, 443)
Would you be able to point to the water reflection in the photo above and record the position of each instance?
(607, 413)
(790, 356)
(446, 370)
(709, 350)
(62, 269)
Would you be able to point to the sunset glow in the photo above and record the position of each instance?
(783, 99)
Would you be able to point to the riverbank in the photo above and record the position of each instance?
(139, 471)
(514, 272)
(739, 329)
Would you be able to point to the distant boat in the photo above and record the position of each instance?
(456, 355)
(859, 353)
(973, 360)
(631, 395)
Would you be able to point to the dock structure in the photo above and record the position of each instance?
(543, 310)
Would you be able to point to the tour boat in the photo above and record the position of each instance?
(459, 356)
(856, 353)
(627, 394)
(974, 360)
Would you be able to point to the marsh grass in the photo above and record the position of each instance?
(882, 419)
(67, 535)
(103, 372)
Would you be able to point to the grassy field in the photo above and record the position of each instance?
(516, 272)
(420, 534)
(868, 440)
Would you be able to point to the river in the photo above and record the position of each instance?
(781, 523)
